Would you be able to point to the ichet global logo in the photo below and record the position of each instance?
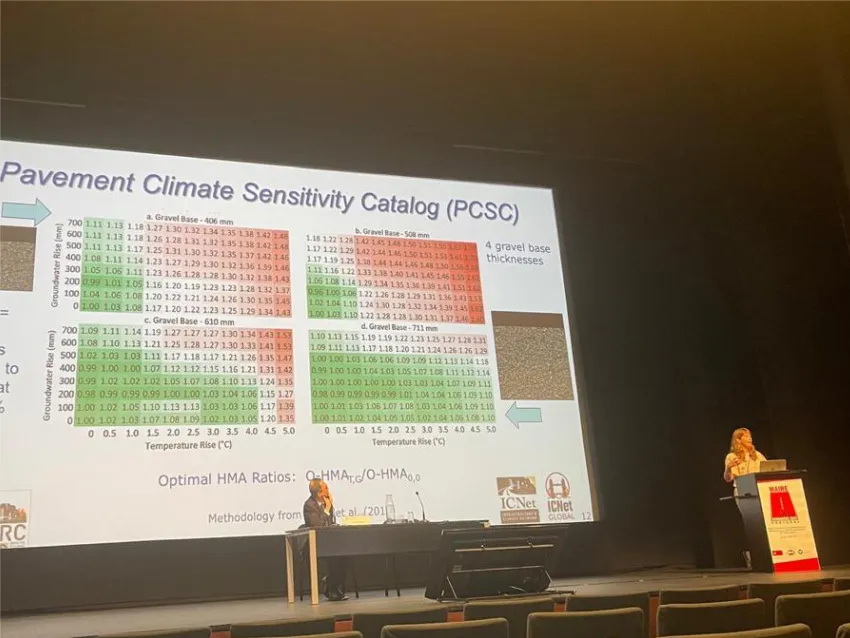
(14, 519)
(517, 498)
(559, 506)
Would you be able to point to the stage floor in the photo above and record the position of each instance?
(70, 624)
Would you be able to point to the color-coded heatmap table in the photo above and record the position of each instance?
(194, 269)
(368, 377)
(393, 279)
(147, 376)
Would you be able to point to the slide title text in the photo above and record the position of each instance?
(162, 185)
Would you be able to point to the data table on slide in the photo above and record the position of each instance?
(194, 269)
(145, 375)
(199, 368)
(211, 335)
(364, 377)
(377, 278)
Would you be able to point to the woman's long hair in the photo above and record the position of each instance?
(315, 487)
(737, 448)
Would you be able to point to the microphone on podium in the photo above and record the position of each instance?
(422, 506)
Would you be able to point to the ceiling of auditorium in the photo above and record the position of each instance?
(623, 80)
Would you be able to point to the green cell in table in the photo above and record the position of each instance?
(322, 279)
(322, 295)
(112, 282)
(419, 387)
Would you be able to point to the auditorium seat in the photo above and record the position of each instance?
(371, 624)
(489, 628)
(842, 584)
(283, 628)
(608, 623)
(514, 610)
(823, 613)
(789, 631)
(702, 595)
(197, 632)
(582, 602)
(843, 631)
(769, 591)
(711, 618)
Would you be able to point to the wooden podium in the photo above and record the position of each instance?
(776, 519)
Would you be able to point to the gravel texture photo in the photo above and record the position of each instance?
(532, 356)
(17, 258)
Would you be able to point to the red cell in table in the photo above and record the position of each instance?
(282, 305)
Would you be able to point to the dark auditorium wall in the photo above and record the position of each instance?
(793, 263)
(779, 287)
(699, 190)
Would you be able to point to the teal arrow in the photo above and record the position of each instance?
(37, 212)
(517, 415)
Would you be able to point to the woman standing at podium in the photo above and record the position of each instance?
(743, 457)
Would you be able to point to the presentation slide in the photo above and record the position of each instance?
(185, 343)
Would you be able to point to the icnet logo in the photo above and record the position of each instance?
(557, 486)
(517, 498)
(559, 507)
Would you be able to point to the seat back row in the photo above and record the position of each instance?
(680, 612)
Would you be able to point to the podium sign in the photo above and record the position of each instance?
(788, 526)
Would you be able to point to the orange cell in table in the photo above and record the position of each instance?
(268, 310)
(284, 358)
(264, 306)
(246, 302)
(286, 416)
(282, 306)
(283, 372)
(265, 342)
